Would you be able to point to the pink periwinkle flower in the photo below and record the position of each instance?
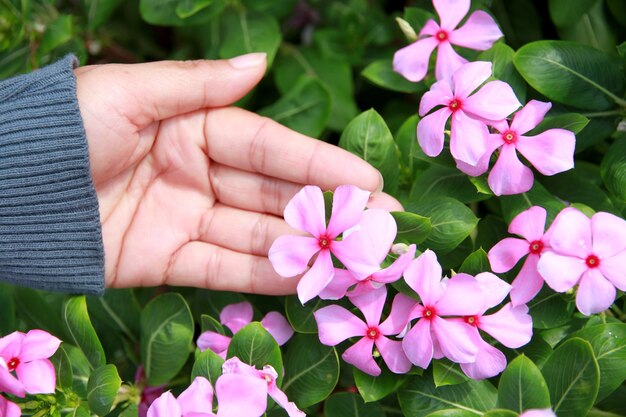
(511, 326)
(530, 225)
(291, 254)
(148, 394)
(379, 228)
(545, 412)
(434, 335)
(237, 396)
(235, 317)
(337, 324)
(27, 355)
(267, 375)
(479, 33)
(550, 152)
(587, 252)
(8, 408)
(469, 112)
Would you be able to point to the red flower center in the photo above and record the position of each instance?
(324, 242)
(455, 104)
(535, 247)
(13, 364)
(441, 36)
(471, 320)
(592, 261)
(509, 136)
(429, 313)
(373, 333)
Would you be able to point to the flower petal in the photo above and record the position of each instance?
(511, 326)
(165, 406)
(448, 61)
(538, 413)
(463, 296)
(336, 324)
(494, 101)
(479, 32)
(418, 344)
(530, 223)
(38, 376)
(9, 409)
(277, 325)
(529, 116)
(316, 278)
(527, 283)
(493, 288)
(235, 316)
(218, 343)
(571, 234)
(380, 229)
(198, 397)
(394, 271)
(290, 254)
(451, 12)
(458, 341)
(10, 384)
(38, 344)
(509, 176)
(393, 355)
(338, 286)
(506, 254)
(489, 362)
(360, 355)
(412, 60)
(440, 94)
(430, 131)
(613, 269)
(424, 276)
(469, 77)
(468, 138)
(281, 399)
(371, 304)
(595, 293)
(550, 152)
(231, 402)
(11, 345)
(560, 272)
(348, 205)
(398, 317)
(493, 143)
(357, 254)
(609, 235)
(305, 211)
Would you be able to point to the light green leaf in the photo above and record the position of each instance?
(447, 373)
(412, 228)
(104, 382)
(82, 332)
(208, 365)
(522, 386)
(255, 346)
(63, 368)
(58, 32)
(347, 404)
(381, 73)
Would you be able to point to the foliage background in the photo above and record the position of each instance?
(330, 77)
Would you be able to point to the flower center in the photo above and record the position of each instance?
(441, 36)
(13, 363)
(509, 136)
(324, 242)
(429, 313)
(373, 333)
(535, 247)
(455, 104)
(592, 261)
(471, 320)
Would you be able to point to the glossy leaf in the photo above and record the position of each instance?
(374, 388)
(255, 346)
(476, 263)
(82, 332)
(441, 181)
(412, 228)
(301, 316)
(347, 404)
(63, 368)
(119, 310)
(381, 73)
(549, 309)
(102, 389)
(447, 373)
(208, 365)
(522, 386)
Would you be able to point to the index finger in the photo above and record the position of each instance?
(244, 140)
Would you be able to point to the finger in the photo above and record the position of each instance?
(199, 264)
(244, 140)
(384, 201)
(250, 191)
(241, 230)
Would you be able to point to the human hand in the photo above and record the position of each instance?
(191, 193)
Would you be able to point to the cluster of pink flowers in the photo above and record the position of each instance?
(478, 113)
(575, 250)
(445, 323)
(237, 378)
(25, 367)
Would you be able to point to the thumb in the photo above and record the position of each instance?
(158, 90)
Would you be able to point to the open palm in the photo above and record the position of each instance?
(191, 192)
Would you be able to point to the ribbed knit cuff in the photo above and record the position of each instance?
(50, 233)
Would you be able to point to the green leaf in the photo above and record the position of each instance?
(278, 8)
(447, 373)
(512, 205)
(248, 31)
(522, 386)
(476, 263)
(63, 368)
(575, 186)
(104, 382)
(597, 131)
(417, 17)
(301, 316)
(208, 364)
(613, 168)
(305, 108)
(451, 222)
(131, 411)
(81, 369)
(441, 181)
(419, 396)
(381, 73)
(500, 413)
(550, 310)
(347, 404)
(566, 12)
(573, 378)
(572, 74)
(406, 140)
(208, 323)
(7, 312)
(312, 370)
(452, 413)
(412, 228)
(166, 334)
(99, 11)
(119, 310)
(501, 55)
(58, 32)
(82, 332)
(255, 346)
(171, 12)
(574, 122)
(368, 137)
(188, 8)
(374, 388)
(609, 346)
(591, 28)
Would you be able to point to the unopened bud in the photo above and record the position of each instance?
(399, 249)
(407, 29)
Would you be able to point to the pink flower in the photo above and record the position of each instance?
(267, 376)
(587, 252)
(550, 152)
(337, 324)
(27, 355)
(468, 134)
(538, 413)
(529, 224)
(237, 396)
(479, 32)
(291, 254)
(511, 326)
(235, 317)
(148, 394)
(434, 336)
(8, 408)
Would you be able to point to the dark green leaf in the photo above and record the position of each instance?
(99, 11)
(248, 31)
(166, 335)
(573, 378)
(476, 263)
(549, 310)
(575, 186)
(166, 12)
(571, 73)
(347, 404)
(381, 73)
(501, 55)
(618, 10)
(119, 310)
(301, 316)
(7, 311)
(452, 413)
(208, 365)
(312, 370)
(82, 332)
(441, 181)
(368, 137)
(597, 131)
(278, 8)
(104, 382)
(500, 413)
(417, 17)
(591, 28)
(374, 388)
(188, 8)
(522, 386)
(566, 13)
(255, 346)
(512, 205)
(574, 122)
(613, 169)
(412, 228)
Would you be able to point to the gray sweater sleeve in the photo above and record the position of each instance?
(50, 236)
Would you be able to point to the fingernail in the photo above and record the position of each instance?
(381, 184)
(248, 60)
